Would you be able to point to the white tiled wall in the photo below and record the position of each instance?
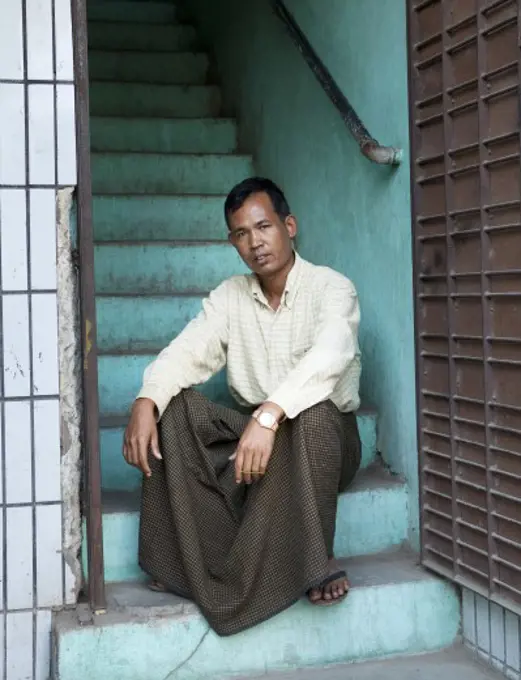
(493, 632)
(37, 156)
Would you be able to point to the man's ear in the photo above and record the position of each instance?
(291, 226)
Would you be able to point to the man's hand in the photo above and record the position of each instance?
(255, 447)
(141, 436)
(253, 452)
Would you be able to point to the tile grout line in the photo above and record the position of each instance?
(29, 81)
(3, 547)
(29, 317)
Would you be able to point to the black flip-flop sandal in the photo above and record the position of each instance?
(157, 587)
(337, 576)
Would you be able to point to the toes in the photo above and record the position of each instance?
(331, 591)
(315, 594)
(338, 589)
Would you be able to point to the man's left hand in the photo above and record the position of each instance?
(253, 452)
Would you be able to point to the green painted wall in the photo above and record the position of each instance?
(354, 216)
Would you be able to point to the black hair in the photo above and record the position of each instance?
(256, 185)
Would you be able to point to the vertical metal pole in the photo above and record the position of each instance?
(92, 480)
(451, 287)
(416, 260)
(484, 194)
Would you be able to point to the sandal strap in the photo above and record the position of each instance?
(336, 576)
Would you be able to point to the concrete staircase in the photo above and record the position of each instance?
(162, 162)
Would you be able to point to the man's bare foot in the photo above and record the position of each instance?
(333, 589)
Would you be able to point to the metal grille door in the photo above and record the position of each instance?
(465, 131)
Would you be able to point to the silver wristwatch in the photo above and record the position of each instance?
(266, 419)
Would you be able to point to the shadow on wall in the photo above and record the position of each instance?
(354, 216)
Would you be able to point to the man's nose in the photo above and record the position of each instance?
(255, 240)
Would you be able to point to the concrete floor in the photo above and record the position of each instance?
(452, 664)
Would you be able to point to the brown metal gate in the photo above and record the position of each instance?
(465, 70)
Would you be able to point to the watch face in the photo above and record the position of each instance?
(266, 419)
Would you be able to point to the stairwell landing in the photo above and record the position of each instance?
(163, 160)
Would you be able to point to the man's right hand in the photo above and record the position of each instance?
(141, 436)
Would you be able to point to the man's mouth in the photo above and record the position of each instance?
(261, 259)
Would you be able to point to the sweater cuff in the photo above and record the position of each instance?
(287, 400)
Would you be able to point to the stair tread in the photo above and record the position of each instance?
(129, 3)
(455, 662)
(116, 23)
(176, 154)
(170, 135)
(129, 11)
(165, 243)
(151, 296)
(135, 599)
(127, 99)
(112, 420)
(111, 4)
(155, 173)
(156, 53)
(373, 477)
(176, 119)
(151, 197)
(178, 86)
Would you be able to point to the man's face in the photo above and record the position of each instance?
(261, 237)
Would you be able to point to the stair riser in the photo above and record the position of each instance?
(163, 136)
(156, 269)
(368, 522)
(126, 173)
(374, 622)
(134, 99)
(136, 67)
(138, 12)
(159, 217)
(120, 379)
(116, 475)
(153, 38)
(137, 323)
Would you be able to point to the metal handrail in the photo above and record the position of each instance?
(370, 148)
(91, 450)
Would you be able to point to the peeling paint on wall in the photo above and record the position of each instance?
(70, 394)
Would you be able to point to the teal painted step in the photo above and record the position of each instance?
(138, 173)
(116, 475)
(160, 218)
(163, 135)
(130, 324)
(394, 607)
(120, 379)
(135, 12)
(372, 517)
(117, 35)
(164, 268)
(177, 68)
(139, 99)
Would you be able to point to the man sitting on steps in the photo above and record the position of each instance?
(238, 509)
